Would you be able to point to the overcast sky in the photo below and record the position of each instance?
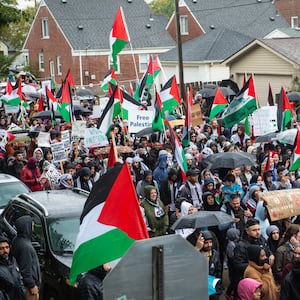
(24, 3)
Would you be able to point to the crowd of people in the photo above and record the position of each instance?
(262, 257)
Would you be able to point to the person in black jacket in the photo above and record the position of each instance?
(26, 257)
(252, 236)
(90, 285)
(11, 285)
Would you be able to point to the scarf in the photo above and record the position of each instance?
(196, 194)
(158, 211)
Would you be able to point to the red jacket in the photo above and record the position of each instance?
(27, 178)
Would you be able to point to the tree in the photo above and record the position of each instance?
(163, 7)
(9, 14)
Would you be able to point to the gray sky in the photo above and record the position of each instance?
(24, 3)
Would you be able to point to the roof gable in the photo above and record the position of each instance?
(249, 17)
(96, 18)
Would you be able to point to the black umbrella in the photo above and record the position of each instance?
(207, 92)
(145, 131)
(226, 91)
(202, 218)
(229, 160)
(81, 110)
(231, 84)
(294, 96)
(265, 138)
(85, 93)
(210, 92)
(46, 115)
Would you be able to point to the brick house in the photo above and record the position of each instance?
(75, 34)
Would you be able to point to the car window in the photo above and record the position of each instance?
(13, 213)
(9, 190)
(38, 232)
(62, 234)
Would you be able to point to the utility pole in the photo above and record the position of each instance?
(179, 47)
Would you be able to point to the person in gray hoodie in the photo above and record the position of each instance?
(26, 257)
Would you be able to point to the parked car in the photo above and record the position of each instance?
(56, 216)
(10, 186)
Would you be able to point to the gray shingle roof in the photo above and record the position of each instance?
(249, 17)
(97, 17)
(288, 47)
(216, 45)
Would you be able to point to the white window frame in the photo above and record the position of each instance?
(143, 62)
(45, 28)
(184, 25)
(59, 65)
(41, 62)
(52, 68)
(294, 22)
(118, 64)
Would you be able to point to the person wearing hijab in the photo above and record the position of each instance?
(239, 138)
(260, 270)
(249, 289)
(31, 174)
(39, 155)
(273, 234)
(66, 181)
(147, 180)
(155, 214)
(186, 209)
(84, 180)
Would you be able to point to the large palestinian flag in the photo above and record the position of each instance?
(109, 224)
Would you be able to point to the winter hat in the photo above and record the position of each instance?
(188, 156)
(208, 181)
(254, 253)
(270, 229)
(129, 160)
(85, 171)
(233, 234)
(207, 235)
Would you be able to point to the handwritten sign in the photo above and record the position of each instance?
(59, 152)
(283, 203)
(78, 129)
(65, 138)
(94, 137)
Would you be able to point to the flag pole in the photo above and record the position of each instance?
(134, 63)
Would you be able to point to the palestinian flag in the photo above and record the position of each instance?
(219, 103)
(52, 103)
(41, 105)
(69, 79)
(113, 154)
(157, 67)
(284, 111)
(12, 99)
(270, 96)
(188, 119)
(119, 37)
(170, 95)
(296, 155)
(124, 103)
(243, 105)
(146, 81)
(178, 150)
(109, 225)
(109, 77)
(8, 88)
(158, 121)
(65, 108)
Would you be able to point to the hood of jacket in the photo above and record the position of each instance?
(24, 227)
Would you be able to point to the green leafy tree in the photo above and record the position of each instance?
(5, 62)
(163, 7)
(8, 14)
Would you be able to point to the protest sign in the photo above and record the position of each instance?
(58, 152)
(43, 139)
(78, 129)
(197, 116)
(282, 204)
(264, 120)
(53, 176)
(139, 119)
(65, 138)
(95, 138)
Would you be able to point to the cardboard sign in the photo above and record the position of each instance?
(59, 152)
(197, 116)
(95, 138)
(139, 119)
(283, 203)
(78, 128)
(65, 138)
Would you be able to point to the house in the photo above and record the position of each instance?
(290, 10)
(274, 61)
(75, 34)
(3, 48)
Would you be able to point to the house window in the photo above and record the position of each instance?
(184, 28)
(41, 62)
(52, 68)
(118, 64)
(294, 22)
(59, 67)
(143, 62)
(45, 28)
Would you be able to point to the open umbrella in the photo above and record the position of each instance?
(265, 138)
(202, 218)
(229, 160)
(85, 94)
(28, 89)
(286, 137)
(80, 110)
(210, 91)
(293, 96)
(46, 115)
